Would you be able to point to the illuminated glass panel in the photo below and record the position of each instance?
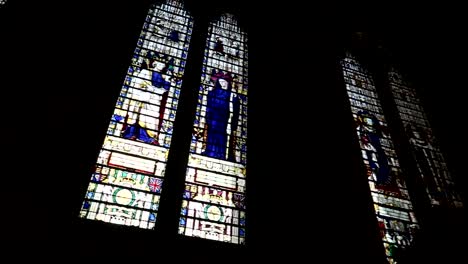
(213, 204)
(429, 159)
(126, 185)
(393, 207)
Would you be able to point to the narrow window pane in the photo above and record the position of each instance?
(214, 199)
(431, 164)
(129, 174)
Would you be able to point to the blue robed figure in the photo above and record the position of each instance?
(371, 133)
(217, 115)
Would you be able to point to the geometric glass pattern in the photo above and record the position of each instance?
(392, 204)
(127, 181)
(424, 148)
(213, 205)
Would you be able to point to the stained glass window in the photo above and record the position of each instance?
(213, 205)
(429, 159)
(127, 182)
(393, 207)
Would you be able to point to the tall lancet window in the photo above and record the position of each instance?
(429, 159)
(393, 207)
(213, 204)
(127, 182)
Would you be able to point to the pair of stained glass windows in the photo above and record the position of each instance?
(387, 180)
(128, 180)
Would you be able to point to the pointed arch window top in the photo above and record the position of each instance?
(228, 18)
(175, 3)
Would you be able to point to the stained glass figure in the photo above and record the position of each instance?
(128, 178)
(430, 162)
(214, 199)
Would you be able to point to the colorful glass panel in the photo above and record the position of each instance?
(127, 182)
(430, 162)
(214, 200)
